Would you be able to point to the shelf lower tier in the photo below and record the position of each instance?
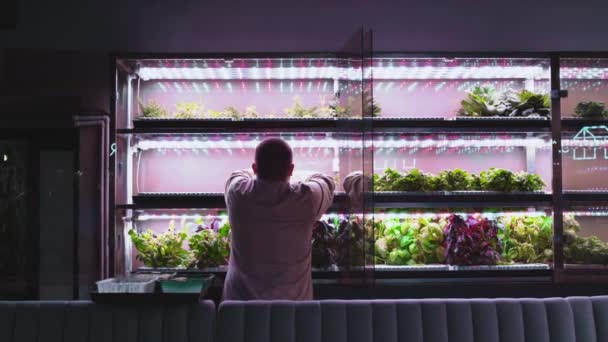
(406, 272)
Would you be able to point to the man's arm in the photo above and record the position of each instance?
(322, 188)
(237, 182)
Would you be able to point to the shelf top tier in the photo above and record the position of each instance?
(332, 67)
(246, 68)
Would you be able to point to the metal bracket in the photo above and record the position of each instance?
(558, 93)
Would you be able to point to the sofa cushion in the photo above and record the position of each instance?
(430, 320)
(80, 321)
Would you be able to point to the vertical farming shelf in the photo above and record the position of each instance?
(461, 144)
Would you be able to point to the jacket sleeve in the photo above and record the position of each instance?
(322, 189)
(355, 184)
(237, 183)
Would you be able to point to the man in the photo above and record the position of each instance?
(271, 221)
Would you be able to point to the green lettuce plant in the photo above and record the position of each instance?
(161, 250)
(528, 103)
(482, 101)
(591, 110)
(486, 101)
(209, 248)
(527, 239)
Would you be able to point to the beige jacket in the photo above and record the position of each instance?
(271, 227)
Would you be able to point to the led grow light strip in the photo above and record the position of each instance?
(583, 73)
(385, 216)
(588, 213)
(322, 72)
(381, 216)
(254, 73)
(348, 144)
(460, 72)
(584, 143)
(222, 217)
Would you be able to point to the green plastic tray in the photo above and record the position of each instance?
(189, 284)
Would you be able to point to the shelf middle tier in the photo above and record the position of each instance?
(166, 200)
(382, 124)
(459, 199)
(380, 199)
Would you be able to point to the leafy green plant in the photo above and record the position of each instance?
(209, 248)
(452, 180)
(528, 103)
(251, 112)
(337, 110)
(493, 179)
(188, 110)
(160, 250)
(297, 110)
(590, 110)
(412, 180)
(496, 179)
(152, 109)
(409, 241)
(527, 239)
(485, 101)
(528, 182)
(370, 105)
(387, 181)
(586, 250)
(482, 101)
(582, 250)
(231, 112)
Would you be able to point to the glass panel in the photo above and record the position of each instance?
(585, 236)
(213, 257)
(585, 159)
(409, 87)
(462, 165)
(186, 163)
(240, 88)
(433, 153)
(194, 121)
(585, 151)
(586, 80)
(458, 239)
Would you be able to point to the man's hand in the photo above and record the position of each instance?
(355, 184)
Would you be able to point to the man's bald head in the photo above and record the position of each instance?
(273, 160)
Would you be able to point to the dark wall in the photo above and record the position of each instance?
(40, 57)
(61, 48)
(278, 25)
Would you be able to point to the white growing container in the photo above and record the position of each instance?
(141, 283)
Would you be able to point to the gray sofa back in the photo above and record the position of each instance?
(448, 320)
(89, 322)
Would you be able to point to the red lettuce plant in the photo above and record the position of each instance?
(473, 241)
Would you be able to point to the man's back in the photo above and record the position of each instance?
(271, 226)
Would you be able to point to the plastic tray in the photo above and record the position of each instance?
(140, 283)
(187, 284)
